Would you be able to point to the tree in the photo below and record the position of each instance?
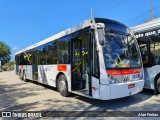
(5, 52)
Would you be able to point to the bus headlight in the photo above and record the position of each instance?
(112, 80)
(136, 77)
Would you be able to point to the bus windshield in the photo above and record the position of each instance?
(121, 51)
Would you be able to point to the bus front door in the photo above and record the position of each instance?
(81, 64)
(76, 64)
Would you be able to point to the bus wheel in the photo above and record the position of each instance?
(21, 75)
(63, 86)
(157, 86)
(24, 76)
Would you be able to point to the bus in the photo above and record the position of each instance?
(99, 58)
(0, 66)
(148, 38)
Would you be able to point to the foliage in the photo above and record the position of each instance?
(5, 52)
(8, 66)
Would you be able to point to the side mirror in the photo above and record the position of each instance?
(101, 36)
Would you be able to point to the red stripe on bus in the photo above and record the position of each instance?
(94, 88)
(22, 67)
(124, 72)
(62, 67)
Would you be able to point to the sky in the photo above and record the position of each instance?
(25, 22)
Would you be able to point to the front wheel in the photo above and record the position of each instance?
(63, 86)
(157, 86)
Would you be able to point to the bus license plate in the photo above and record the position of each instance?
(135, 76)
(131, 86)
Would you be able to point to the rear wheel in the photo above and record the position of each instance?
(157, 86)
(21, 75)
(63, 86)
(19, 72)
(24, 76)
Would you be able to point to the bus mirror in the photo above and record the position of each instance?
(101, 36)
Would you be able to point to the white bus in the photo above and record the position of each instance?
(148, 37)
(98, 58)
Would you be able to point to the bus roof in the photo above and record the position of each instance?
(150, 25)
(68, 31)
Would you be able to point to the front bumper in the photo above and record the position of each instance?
(120, 90)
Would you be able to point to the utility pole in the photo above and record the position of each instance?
(91, 13)
(151, 10)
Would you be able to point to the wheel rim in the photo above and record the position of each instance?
(158, 85)
(62, 85)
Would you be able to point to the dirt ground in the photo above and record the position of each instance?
(31, 96)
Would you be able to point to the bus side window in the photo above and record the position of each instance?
(62, 50)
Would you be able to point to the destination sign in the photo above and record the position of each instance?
(153, 32)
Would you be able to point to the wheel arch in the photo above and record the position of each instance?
(156, 78)
(22, 70)
(59, 74)
(155, 83)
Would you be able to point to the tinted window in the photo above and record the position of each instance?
(63, 50)
(42, 55)
(155, 50)
(150, 50)
(52, 53)
(35, 56)
(28, 57)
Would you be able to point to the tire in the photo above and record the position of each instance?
(24, 76)
(21, 75)
(157, 86)
(63, 86)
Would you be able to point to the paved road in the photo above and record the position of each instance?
(30, 96)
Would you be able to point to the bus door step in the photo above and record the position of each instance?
(84, 91)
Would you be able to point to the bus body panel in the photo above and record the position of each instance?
(21, 68)
(103, 94)
(122, 90)
(103, 74)
(150, 74)
(28, 71)
(47, 74)
(15, 68)
(102, 68)
(95, 88)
